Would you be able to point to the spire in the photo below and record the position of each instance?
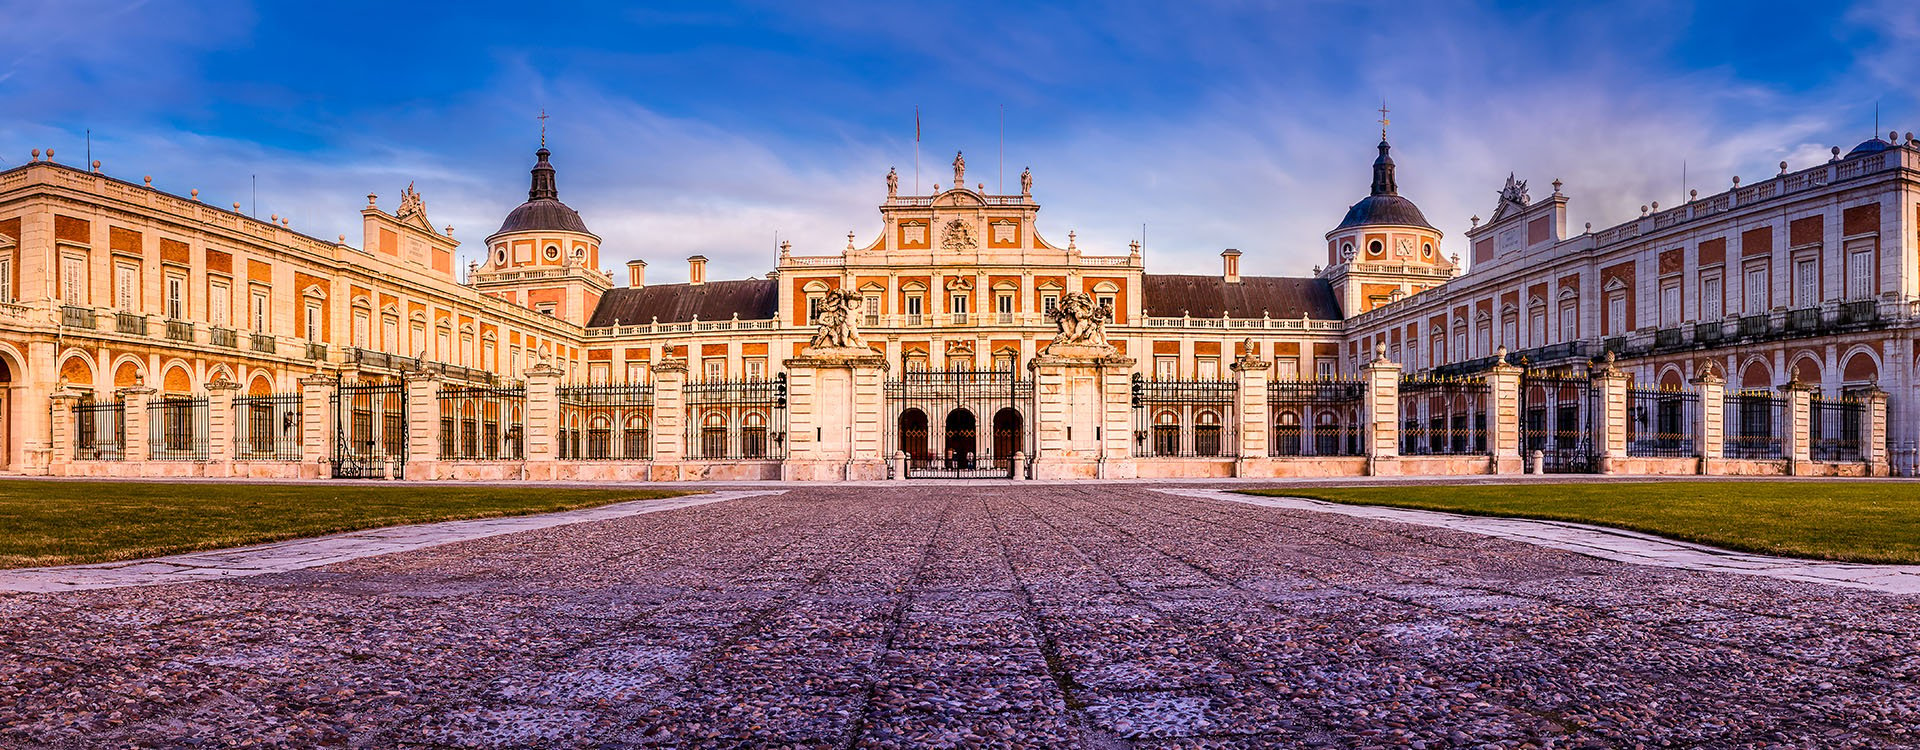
(543, 183)
(1383, 183)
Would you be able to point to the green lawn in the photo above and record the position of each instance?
(1854, 521)
(59, 523)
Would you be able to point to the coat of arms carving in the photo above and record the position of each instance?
(958, 235)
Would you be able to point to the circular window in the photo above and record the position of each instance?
(1375, 248)
(500, 257)
(1426, 251)
(552, 252)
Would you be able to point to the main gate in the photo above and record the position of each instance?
(959, 424)
(370, 430)
(1558, 409)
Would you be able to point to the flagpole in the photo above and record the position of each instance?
(916, 149)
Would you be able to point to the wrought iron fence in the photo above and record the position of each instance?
(606, 422)
(1662, 422)
(1443, 416)
(370, 428)
(737, 419)
(1183, 418)
(177, 429)
(1754, 422)
(937, 418)
(266, 427)
(1316, 418)
(100, 430)
(1836, 427)
(1557, 410)
(483, 423)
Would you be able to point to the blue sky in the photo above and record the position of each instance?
(708, 127)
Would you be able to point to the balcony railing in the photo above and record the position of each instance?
(1755, 325)
(179, 330)
(261, 342)
(77, 317)
(223, 337)
(133, 323)
(316, 351)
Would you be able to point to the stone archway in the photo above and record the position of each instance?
(6, 414)
(962, 443)
(1007, 433)
(913, 434)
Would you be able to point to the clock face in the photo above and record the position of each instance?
(1404, 246)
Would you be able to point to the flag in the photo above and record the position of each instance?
(916, 124)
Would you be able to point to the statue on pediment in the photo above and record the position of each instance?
(1026, 181)
(1513, 197)
(838, 311)
(959, 169)
(893, 183)
(1080, 321)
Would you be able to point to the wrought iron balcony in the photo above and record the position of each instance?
(73, 316)
(222, 337)
(179, 330)
(1669, 338)
(316, 351)
(1755, 325)
(1803, 321)
(262, 342)
(126, 322)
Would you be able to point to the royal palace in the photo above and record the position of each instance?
(1767, 328)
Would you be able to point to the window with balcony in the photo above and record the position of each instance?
(1860, 271)
(126, 286)
(1616, 313)
(756, 368)
(312, 328)
(1712, 298)
(957, 304)
(262, 311)
(6, 279)
(1754, 287)
(914, 309)
(73, 279)
(1569, 320)
(715, 368)
(1003, 304)
(1207, 368)
(1806, 282)
(176, 285)
(1670, 304)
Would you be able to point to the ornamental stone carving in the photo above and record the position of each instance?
(958, 235)
(838, 311)
(1081, 322)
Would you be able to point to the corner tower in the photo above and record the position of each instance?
(1384, 249)
(543, 256)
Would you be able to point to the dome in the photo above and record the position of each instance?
(1385, 205)
(1869, 146)
(543, 210)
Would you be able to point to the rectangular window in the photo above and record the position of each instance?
(1860, 274)
(1537, 326)
(177, 296)
(73, 279)
(1616, 313)
(1326, 367)
(599, 372)
(1286, 368)
(1460, 344)
(1670, 304)
(1712, 298)
(261, 311)
(6, 279)
(1049, 302)
(813, 308)
(756, 368)
(390, 335)
(914, 309)
(1806, 282)
(313, 321)
(716, 369)
(1207, 368)
(1755, 288)
(418, 346)
(1569, 321)
(126, 286)
(360, 329)
(1004, 304)
(872, 304)
(1166, 368)
(636, 372)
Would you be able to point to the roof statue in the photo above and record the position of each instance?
(1513, 197)
(893, 183)
(411, 206)
(1080, 322)
(1026, 181)
(959, 169)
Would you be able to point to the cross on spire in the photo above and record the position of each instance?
(1383, 119)
(543, 127)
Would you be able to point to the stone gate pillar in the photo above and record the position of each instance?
(61, 430)
(1381, 413)
(669, 419)
(1610, 419)
(133, 420)
(317, 429)
(1252, 421)
(423, 425)
(542, 420)
(1503, 425)
(220, 426)
(1083, 413)
(835, 403)
(1710, 436)
(1797, 438)
(1873, 431)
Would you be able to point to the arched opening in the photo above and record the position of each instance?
(1859, 369)
(1006, 433)
(1807, 371)
(1756, 375)
(961, 436)
(913, 434)
(6, 414)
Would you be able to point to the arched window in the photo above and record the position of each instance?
(753, 436)
(600, 437)
(1166, 434)
(1286, 434)
(713, 435)
(1207, 434)
(634, 441)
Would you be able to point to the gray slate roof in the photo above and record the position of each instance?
(751, 299)
(1173, 295)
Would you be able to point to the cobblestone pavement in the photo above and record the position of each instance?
(1093, 615)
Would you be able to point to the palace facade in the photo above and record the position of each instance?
(1766, 328)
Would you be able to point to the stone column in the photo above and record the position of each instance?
(134, 419)
(1610, 422)
(60, 425)
(1253, 422)
(1710, 436)
(834, 422)
(1503, 424)
(1798, 434)
(423, 425)
(1381, 413)
(1083, 413)
(669, 419)
(220, 427)
(317, 430)
(1873, 431)
(542, 420)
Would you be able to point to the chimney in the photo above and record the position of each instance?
(636, 273)
(697, 270)
(1230, 265)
